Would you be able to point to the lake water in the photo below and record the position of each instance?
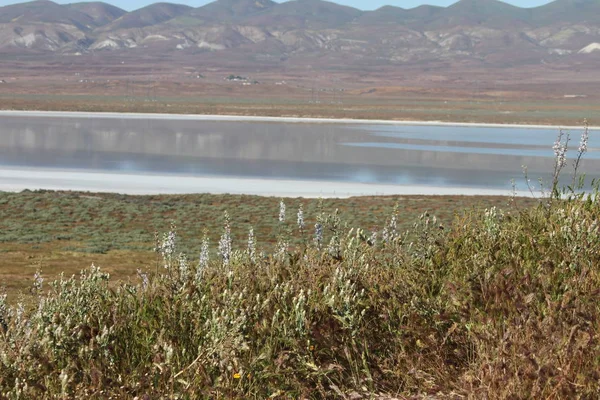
(477, 159)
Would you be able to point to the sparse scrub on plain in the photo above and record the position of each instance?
(500, 304)
(116, 232)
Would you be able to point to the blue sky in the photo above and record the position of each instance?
(362, 4)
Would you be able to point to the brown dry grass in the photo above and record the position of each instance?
(542, 113)
(450, 100)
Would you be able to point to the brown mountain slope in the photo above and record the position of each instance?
(416, 17)
(562, 11)
(43, 11)
(42, 26)
(227, 10)
(384, 15)
(312, 14)
(101, 13)
(151, 15)
(491, 13)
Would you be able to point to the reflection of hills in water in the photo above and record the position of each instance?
(275, 169)
(386, 154)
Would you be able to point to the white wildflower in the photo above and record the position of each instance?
(334, 246)
(204, 258)
(560, 152)
(183, 268)
(251, 245)
(64, 380)
(373, 239)
(225, 242)
(318, 234)
(168, 245)
(20, 311)
(300, 218)
(281, 250)
(281, 211)
(583, 143)
(3, 311)
(390, 232)
(168, 354)
(38, 281)
(144, 278)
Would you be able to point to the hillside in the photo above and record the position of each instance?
(312, 14)
(573, 11)
(101, 13)
(148, 16)
(305, 32)
(228, 10)
(48, 12)
(490, 13)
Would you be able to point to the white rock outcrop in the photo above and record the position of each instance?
(590, 48)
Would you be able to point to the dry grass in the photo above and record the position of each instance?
(502, 305)
(421, 105)
(61, 231)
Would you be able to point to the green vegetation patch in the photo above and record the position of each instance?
(117, 222)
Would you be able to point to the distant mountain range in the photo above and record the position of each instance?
(262, 31)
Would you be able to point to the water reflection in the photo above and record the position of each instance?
(408, 155)
(453, 148)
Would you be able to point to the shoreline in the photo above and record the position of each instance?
(239, 118)
(20, 179)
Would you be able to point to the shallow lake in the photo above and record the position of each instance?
(435, 157)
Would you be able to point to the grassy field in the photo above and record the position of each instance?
(63, 231)
(487, 301)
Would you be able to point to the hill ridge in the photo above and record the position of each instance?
(263, 31)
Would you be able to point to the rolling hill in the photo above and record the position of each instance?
(470, 31)
(48, 12)
(101, 13)
(151, 15)
(229, 10)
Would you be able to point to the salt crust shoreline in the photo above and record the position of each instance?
(240, 118)
(19, 179)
